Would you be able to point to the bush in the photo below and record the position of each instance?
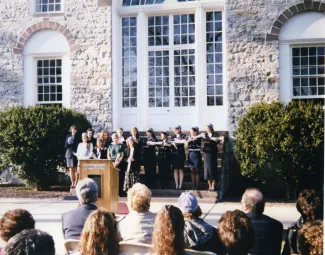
(32, 141)
(282, 140)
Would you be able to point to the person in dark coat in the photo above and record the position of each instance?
(91, 138)
(164, 160)
(71, 146)
(73, 221)
(268, 231)
(194, 156)
(100, 151)
(210, 150)
(178, 155)
(310, 207)
(149, 159)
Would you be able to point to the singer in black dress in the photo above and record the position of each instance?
(178, 155)
(164, 160)
(133, 166)
(149, 159)
(194, 156)
(210, 150)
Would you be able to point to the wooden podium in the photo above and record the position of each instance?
(107, 178)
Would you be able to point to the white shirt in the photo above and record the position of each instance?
(83, 152)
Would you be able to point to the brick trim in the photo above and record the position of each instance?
(306, 6)
(43, 25)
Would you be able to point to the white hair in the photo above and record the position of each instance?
(87, 191)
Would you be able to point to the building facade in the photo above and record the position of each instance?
(159, 63)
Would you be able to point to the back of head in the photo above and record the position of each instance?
(139, 197)
(168, 234)
(310, 238)
(30, 242)
(87, 191)
(309, 205)
(98, 235)
(236, 232)
(15, 221)
(189, 206)
(253, 201)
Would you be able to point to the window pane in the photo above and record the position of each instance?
(158, 29)
(184, 29)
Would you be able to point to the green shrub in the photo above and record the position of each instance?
(32, 141)
(281, 140)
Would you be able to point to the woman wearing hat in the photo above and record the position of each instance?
(149, 159)
(164, 160)
(178, 155)
(210, 150)
(194, 156)
(198, 235)
(71, 145)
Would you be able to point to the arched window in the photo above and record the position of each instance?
(47, 69)
(302, 57)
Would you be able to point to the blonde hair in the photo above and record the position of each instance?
(139, 197)
(98, 236)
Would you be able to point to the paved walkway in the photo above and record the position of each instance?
(47, 213)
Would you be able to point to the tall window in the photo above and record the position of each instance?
(129, 61)
(308, 71)
(49, 81)
(141, 2)
(214, 58)
(48, 5)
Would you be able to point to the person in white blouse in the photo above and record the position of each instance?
(84, 151)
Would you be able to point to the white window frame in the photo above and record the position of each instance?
(32, 8)
(169, 7)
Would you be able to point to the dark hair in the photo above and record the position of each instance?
(90, 130)
(236, 232)
(152, 134)
(309, 205)
(168, 234)
(310, 238)
(136, 129)
(30, 242)
(253, 204)
(195, 130)
(15, 221)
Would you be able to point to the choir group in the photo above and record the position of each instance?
(129, 154)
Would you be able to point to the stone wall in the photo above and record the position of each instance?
(253, 59)
(89, 23)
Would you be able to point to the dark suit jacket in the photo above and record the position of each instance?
(74, 221)
(70, 148)
(268, 235)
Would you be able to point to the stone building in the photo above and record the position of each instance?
(159, 63)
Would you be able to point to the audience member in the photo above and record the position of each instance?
(138, 225)
(30, 242)
(15, 221)
(268, 231)
(310, 238)
(98, 235)
(73, 221)
(236, 232)
(198, 235)
(310, 206)
(168, 234)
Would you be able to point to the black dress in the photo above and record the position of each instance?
(132, 169)
(164, 163)
(178, 152)
(194, 155)
(150, 163)
(100, 153)
(210, 150)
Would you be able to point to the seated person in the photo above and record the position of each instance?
(310, 238)
(310, 206)
(99, 236)
(73, 221)
(198, 234)
(236, 232)
(268, 231)
(168, 234)
(30, 242)
(138, 225)
(15, 221)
